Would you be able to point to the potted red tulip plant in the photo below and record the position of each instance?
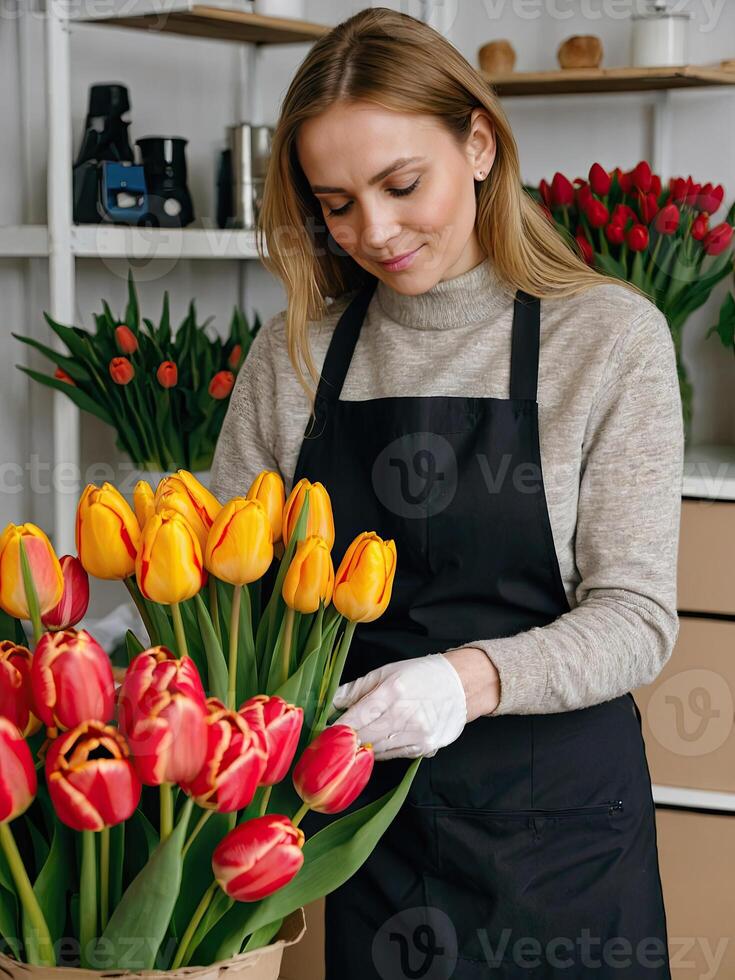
(150, 814)
(661, 237)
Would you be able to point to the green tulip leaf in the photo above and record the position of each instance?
(53, 882)
(9, 920)
(216, 663)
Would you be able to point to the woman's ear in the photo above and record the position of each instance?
(481, 145)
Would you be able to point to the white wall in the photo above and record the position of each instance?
(192, 88)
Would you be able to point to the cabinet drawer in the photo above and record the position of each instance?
(688, 710)
(696, 855)
(706, 568)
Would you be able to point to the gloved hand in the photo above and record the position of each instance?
(406, 709)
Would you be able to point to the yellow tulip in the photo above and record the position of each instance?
(364, 580)
(268, 488)
(143, 502)
(310, 576)
(169, 566)
(45, 569)
(239, 548)
(183, 493)
(320, 520)
(107, 533)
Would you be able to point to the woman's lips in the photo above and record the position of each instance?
(402, 262)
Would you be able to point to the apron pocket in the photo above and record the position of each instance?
(523, 887)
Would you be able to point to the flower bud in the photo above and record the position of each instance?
(309, 578)
(107, 533)
(184, 494)
(364, 580)
(72, 680)
(169, 566)
(333, 770)
(268, 488)
(240, 544)
(320, 520)
(45, 570)
(72, 606)
(258, 857)
(280, 726)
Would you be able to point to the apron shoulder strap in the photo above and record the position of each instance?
(525, 346)
(343, 343)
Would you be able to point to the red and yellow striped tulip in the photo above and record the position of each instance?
(234, 763)
(240, 546)
(90, 778)
(309, 578)
(320, 520)
(279, 724)
(72, 680)
(16, 693)
(364, 580)
(143, 502)
(333, 770)
(162, 713)
(258, 857)
(74, 599)
(45, 570)
(169, 565)
(18, 782)
(184, 494)
(107, 533)
(268, 488)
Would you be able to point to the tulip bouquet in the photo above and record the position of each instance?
(165, 391)
(150, 815)
(628, 225)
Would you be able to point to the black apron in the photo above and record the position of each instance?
(527, 847)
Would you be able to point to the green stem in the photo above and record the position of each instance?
(214, 608)
(264, 802)
(287, 641)
(179, 630)
(300, 814)
(141, 607)
(335, 673)
(167, 810)
(40, 949)
(104, 877)
(234, 635)
(200, 823)
(88, 897)
(192, 927)
(29, 585)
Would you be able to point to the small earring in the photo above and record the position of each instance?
(480, 174)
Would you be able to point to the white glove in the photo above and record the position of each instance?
(405, 709)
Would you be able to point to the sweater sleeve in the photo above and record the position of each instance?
(624, 626)
(247, 441)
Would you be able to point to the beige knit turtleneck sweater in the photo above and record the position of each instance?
(611, 450)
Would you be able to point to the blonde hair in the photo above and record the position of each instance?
(395, 61)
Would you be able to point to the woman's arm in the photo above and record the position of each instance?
(624, 627)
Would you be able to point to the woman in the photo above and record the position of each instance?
(511, 418)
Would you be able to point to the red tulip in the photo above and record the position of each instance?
(718, 239)
(16, 693)
(700, 226)
(584, 196)
(90, 779)
(75, 598)
(162, 713)
(167, 374)
(615, 233)
(122, 371)
(693, 192)
(562, 191)
(61, 375)
(280, 724)
(678, 189)
(545, 191)
(626, 181)
(622, 214)
(18, 783)
(333, 770)
(597, 213)
(234, 764)
(641, 177)
(600, 180)
(649, 207)
(72, 680)
(667, 220)
(258, 857)
(710, 198)
(233, 361)
(221, 384)
(127, 342)
(587, 253)
(656, 186)
(637, 238)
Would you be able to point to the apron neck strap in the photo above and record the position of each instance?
(524, 347)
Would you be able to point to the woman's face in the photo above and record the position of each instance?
(376, 211)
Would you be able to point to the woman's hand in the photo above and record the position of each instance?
(406, 709)
(480, 679)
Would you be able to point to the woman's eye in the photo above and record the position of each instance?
(395, 191)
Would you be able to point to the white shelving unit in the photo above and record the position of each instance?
(62, 242)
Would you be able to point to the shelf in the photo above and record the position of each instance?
(222, 20)
(119, 241)
(705, 799)
(582, 81)
(709, 472)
